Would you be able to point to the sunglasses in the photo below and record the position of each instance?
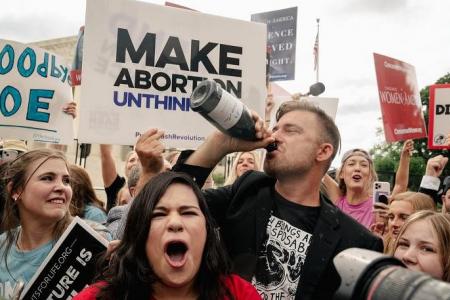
(356, 151)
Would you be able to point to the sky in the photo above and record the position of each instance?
(414, 31)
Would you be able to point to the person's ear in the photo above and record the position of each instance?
(14, 195)
(324, 152)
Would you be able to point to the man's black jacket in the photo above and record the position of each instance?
(242, 212)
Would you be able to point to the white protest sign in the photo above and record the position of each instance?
(439, 116)
(141, 62)
(328, 105)
(34, 87)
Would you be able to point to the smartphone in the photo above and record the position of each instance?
(381, 191)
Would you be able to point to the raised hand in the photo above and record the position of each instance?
(70, 109)
(435, 165)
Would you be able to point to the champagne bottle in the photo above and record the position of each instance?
(224, 111)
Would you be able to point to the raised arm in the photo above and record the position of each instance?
(109, 171)
(402, 174)
(150, 150)
(430, 181)
(332, 188)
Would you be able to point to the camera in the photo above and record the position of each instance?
(371, 275)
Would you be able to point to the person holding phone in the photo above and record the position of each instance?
(353, 191)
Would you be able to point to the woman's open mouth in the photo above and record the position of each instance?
(175, 253)
(357, 178)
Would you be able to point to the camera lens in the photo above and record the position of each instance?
(371, 275)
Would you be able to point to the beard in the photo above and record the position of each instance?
(287, 168)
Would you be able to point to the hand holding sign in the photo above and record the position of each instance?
(408, 148)
(71, 109)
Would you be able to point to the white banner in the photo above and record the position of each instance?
(34, 87)
(141, 62)
(439, 116)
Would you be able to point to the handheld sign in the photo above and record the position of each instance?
(34, 87)
(439, 116)
(281, 40)
(141, 62)
(69, 267)
(400, 100)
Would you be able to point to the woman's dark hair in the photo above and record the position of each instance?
(129, 275)
(83, 191)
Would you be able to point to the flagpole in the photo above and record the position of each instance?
(318, 49)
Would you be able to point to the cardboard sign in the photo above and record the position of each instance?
(401, 107)
(34, 87)
(439, 116)
(69, 267)
(141, 62)
(281, 39)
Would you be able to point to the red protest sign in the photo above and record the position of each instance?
(439, 116)
(401, 107)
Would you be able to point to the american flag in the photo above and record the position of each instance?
(316, 52)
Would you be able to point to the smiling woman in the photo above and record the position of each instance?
(170, 249)
(423, 244)
(38, 195)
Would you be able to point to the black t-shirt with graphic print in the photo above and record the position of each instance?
(283, 253)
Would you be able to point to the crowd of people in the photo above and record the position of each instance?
(268, 233)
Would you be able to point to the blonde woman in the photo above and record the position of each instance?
(423, 244)
(400, 208)
(243, 162)
(353, 192)
(355, 177)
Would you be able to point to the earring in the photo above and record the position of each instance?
(15, 199)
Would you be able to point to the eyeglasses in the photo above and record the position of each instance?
(9, 154)
(356, 151)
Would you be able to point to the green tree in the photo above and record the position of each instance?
(386, 156)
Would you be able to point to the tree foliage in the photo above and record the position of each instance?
(386, 156)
